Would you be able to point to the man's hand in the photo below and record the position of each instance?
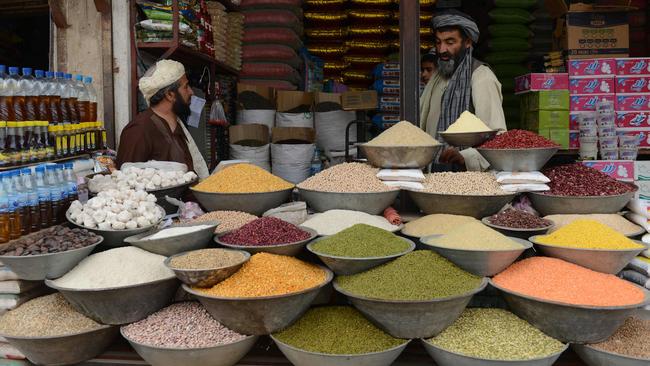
(452, 156)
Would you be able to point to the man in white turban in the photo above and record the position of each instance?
(159, 133)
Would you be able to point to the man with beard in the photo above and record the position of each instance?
(460, 84)
(158, 133)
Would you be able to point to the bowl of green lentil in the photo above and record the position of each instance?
(206, 267)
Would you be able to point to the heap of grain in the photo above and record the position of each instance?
(403, 134)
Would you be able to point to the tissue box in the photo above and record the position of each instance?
(618, 169)
(633, 66)
(632, 119)
(632, 84)
(633, 102)
(539, 81)
(541, 120)
(644, 134)
(592, 67)
(587, 103)
(592, 85)
(550, 100)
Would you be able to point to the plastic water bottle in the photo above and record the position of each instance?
(73, 94)
(316, 164)
(23, 202)
(92, 98)
(5, 229)
(31, 127)
(63, 92)
(63, 188)
(71, 182)
(29, 185)
(14, 204)
(56, 195)
(53, 98)
(44, 198)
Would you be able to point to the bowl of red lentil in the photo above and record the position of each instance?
(548, 204)
(206, 267)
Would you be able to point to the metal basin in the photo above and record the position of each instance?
(448, 358)
(288, 249)
(596, 357)
(601, 260)
(518, 160)
(120, 305)
(65, 350)
(400, 157)
(223, 355)
(176, 191)
(517, 233)
(253, 203)
(468, 139)
(373, 203)
(570, 323)
(412, 319)
(475, 206)
(51, 265)
(206, 277)
(115, 238)
(478, 262)
(348, 266)
(175, 244)
(260, 315)
(299, 357)
(556, 205)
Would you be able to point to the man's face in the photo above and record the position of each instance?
(184, 90)
(427, 69)
(450, 48)
(181, 99)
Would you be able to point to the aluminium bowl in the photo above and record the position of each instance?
(175, 191)
(518, 160)
(467, 139)
(206, 277)
(516, 232)
(175, 244)
(476, 206)
(400, 157)
(597, 357)
(548, 204)
(288, 249)
(253, 203)
(373, 203)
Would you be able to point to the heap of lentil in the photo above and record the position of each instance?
(346, 178)
(581, 180)
(181, 325)
(419, 275)
(463, 183)
(265, 231)
(55, 239)
(361, 241)
(553, 279)
(228, 220)
(518, 139)
(614, 221)
(268, 274)
(518, 219)
(207, 259)
(630, 340)
(468, 122)
(334, 221)
(495, 334)
(46, 316)
(403, 134)
(242, 178)
(474, 236)
(337, 330)
(436, 224)
(588, 234)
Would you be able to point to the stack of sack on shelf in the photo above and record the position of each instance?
(220, 31)
(402, 178)
(234, 40)
(331, 121)
(638, 270)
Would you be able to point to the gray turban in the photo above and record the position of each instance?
(455, 20)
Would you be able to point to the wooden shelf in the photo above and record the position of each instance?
(187, 55)
(59, 160)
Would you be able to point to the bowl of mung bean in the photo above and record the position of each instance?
(166, 242)
(206, 267)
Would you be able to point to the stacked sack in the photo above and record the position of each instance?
(387, 85)
(255, 105)
(158, 25)
(331, 122)
(219, 19)
(326, 31)
(638, 270)
(272, 35)
(234, 40)
(427, 8)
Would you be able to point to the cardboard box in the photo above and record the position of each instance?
(327, 97)
(296, 135)
(633, 66)
(550, 100)
(560, 136)
(618, 169)
(597, 33)
(644, 190)
(581, 85)
(643, 133)
(540, 81)
(359, 100)
(288, 100)
(592, 67)
(633, 119)
(249, 135)
(632, 84)
(384, 121)
(642, 171)
(543, 120)
(632, 102)
(587, 103)
(264, 91)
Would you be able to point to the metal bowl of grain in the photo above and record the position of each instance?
(226, 263)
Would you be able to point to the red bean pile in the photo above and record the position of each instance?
(518, 139)
(518, 219)
(580, 180)
(265, 231)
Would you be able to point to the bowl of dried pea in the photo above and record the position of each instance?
(206, 267)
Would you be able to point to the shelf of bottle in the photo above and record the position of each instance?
(188, 56)
(57, 160)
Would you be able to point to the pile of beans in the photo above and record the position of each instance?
(55, 239)
(361, 241)
(337, 330)
(47, 316)
(474, 236)
(629, 340)
(463, 183)
(268, 274)
(181, 325)
(614, 221)
(207, 259)
(588, 234)
(580, 180)
(346, 178)
(228, 220)
(242, 178)
(518, 139)
(567, 283)
(436, 224)
(518, 219)
(265, 231)
(495, 334)
(419, 275)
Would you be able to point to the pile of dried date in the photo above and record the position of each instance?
(55, 239)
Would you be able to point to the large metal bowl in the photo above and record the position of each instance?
(288, 249)
(467, 139)
(348, 266)
(52, 265)
(373, 203)
(476, 206)
(299, 357)
(175, 244)
(115, 238)
(260, 315)
(596, 357)
(206, 277)
(517, 233)
(478, 262)
(64, 350)
(518, 160)
(548, 204)
(412, 319)
(448, 358)
(570, 323)
(400, 157)
(120, 305)
(223, 355)
(610, 261)
(176, 191)
(253, 203)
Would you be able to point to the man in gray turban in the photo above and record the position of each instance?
(460, 84)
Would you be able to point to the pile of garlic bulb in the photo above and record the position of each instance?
(148, 179)
(124, 209)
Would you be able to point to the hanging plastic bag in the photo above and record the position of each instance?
(217, 114)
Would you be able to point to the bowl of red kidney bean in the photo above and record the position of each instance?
(518, 160)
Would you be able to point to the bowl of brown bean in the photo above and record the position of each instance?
(206, 267)
(289, 249)
(548, 204)
(518, 160)
(598, 357)
(521, 233)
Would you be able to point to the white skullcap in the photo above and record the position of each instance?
(164, 73)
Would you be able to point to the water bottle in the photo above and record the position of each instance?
(30, 125)
(71, 182)
(73, 95)
(14, 204)
(56, 195)
(92, 98)
(64, 93)
(5, 229)
(29, 185)
(23, 202)
(44, 198)
(53, 95)
(65, 195)
(316, 164)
